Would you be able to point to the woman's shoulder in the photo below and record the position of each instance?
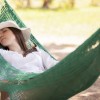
(42, 52)
(39, 49)
(3, 50)
(7, 52)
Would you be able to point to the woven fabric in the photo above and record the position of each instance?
(73, 74)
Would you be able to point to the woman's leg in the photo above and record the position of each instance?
(4, 95)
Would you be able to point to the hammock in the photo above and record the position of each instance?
(73, 74)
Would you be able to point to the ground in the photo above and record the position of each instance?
(60, 48)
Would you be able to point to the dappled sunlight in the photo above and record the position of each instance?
(94, 46)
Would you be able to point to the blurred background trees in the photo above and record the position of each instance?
(46, 3)
(49, 4)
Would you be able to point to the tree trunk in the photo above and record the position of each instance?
(72, 3)
(46, 3)
(29, 3)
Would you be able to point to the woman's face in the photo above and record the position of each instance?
(7, 37)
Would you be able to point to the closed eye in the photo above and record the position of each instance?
(5, 30)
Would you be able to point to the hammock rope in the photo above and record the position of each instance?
(73, 74)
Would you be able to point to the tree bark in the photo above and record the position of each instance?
(72, 3)
(28, 3)
(46, 3)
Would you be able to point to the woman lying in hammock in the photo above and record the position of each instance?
(13, 39)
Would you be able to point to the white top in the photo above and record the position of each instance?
(32, 62)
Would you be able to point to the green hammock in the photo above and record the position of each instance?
(73, 74)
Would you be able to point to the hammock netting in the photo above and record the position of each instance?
(73, 74)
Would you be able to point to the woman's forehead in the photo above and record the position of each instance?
(3, 29)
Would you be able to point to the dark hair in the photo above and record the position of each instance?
(20, 38)
(21, 41)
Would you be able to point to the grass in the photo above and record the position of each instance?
(77, 22)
